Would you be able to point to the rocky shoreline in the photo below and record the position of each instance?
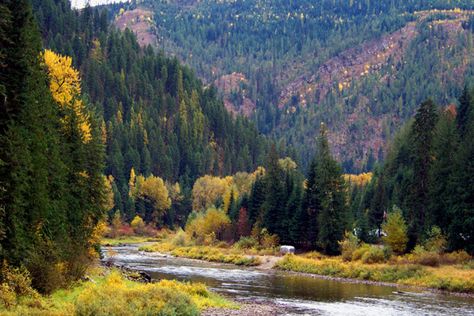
(247, 309)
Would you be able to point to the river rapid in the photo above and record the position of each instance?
(295, 294)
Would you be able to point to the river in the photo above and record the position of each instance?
(296, 294)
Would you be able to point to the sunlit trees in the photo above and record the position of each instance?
(65, 86)
(207, 190)
(154, 193)
(138, 225)
(208, 226)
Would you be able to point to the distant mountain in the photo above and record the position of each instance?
(79, 4)
(352, 64)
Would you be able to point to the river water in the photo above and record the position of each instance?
(297, 294)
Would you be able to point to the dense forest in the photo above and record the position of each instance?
(426, 181)
(51, 158)
(96, 130)
(155, 115)
(352, 64)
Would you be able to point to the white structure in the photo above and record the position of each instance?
(287, 249)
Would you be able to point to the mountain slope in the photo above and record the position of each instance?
(347, 63)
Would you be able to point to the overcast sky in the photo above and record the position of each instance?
(82, 3)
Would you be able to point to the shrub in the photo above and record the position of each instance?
(116, 296)
(180, 239)
(373, 255)
(245, 243)
(138, 225)
(456, 257)
(268, 240)
(421, 256)
(436, 241)
(313, 255)
(7, 296)
(212, 221)
(396, 230)
(359, 252)
(348, 245)
(15, 284)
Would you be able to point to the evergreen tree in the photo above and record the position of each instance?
(273, 207)
(256, 199)
(330, 193)
(445, 146)
(378, 205)
(461, 190)
(50, 170)
(297, 216)
(463, 112)
(422, 136)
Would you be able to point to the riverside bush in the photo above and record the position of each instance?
(113, 294)
(118, 296)
(421, 256)
(373, 255)
(348, 245)
(214, 255)
(358, 253)
(246, 243)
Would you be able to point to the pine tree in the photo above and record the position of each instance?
(273, 212)
(51, 163)
(463, 112)
(445, 146)
(311, 205)
(297, 216)
(378, 205)
(330, 193)
(461, 190)
(422, 136)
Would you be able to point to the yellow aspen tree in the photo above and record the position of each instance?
(65, 86)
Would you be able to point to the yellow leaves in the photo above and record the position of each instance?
(154, 189)
(65, 87)
(340, 86)
(108, 202)
(207, 190)
(138, 225)
(358, 179)
(65, 84)
(209, 224)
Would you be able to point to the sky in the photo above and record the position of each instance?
(79, 4)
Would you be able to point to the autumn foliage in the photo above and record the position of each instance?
(65, 86)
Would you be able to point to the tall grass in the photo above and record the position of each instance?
(207, 253)
(114, 295)
(451, 278)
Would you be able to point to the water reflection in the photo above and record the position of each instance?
(298, 294)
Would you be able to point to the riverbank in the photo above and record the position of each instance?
(246, 309)
(452, 278)
(110, 292)
(449, 278)
(206, 253)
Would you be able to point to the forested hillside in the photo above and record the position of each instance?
(155, 115)
(51, 160)
(291, 64)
